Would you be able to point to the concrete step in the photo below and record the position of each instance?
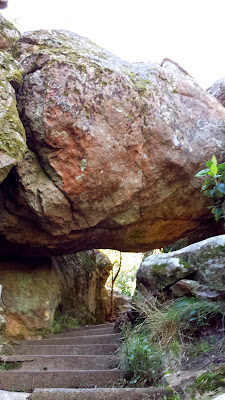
(100, 331)
(44, 363)
(27, 381)
(76, 340)
(36, 349)
(104, 394)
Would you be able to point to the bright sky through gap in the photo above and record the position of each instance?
(189, 32)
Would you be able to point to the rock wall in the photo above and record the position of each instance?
(34, 288)
(31, 293)
(83, 286)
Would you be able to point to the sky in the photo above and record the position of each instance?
(188, 32)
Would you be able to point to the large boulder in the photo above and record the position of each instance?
(8, 33)
(12, 135)
(83, 292)
(218, 90)
(197, 270)
(113, 150)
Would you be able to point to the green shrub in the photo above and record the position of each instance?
(140, 359)
(214, 186)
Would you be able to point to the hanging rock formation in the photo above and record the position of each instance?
(113, 150)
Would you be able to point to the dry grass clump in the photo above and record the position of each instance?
(168, 322)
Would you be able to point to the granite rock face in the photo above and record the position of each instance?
(113, 150)
(197, 270)
(218, 90)
(12, 135)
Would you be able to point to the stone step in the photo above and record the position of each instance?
(75, 340)
(14, 395)
(100, 331)
(90, 327)
(104, 394)
(27, 381)
(36, 349)
(44, 363)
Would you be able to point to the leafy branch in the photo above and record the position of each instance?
(214, 186)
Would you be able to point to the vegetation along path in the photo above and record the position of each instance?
(79, 364)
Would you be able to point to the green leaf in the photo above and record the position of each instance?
(203, 172)
(213, 170)
(223, 207)
(207, 182)
(214, 160)
(219, 195)
(217, 214)
(221, 187)
(221, 167)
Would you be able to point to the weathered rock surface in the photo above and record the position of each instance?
(31, 293)
(202, 263)
(116, 148)
(12, 135)
(83, 293)
(34, 288)
(218, 90)
(8, 33)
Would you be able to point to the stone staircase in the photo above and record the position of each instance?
(76, 365)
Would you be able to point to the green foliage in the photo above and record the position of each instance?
(157, 343)
(214, 186)
(126, 280)
(63, 321)
(142, 361)
(60, 323)
(7, 366)
(199, 348)
(211, 380)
